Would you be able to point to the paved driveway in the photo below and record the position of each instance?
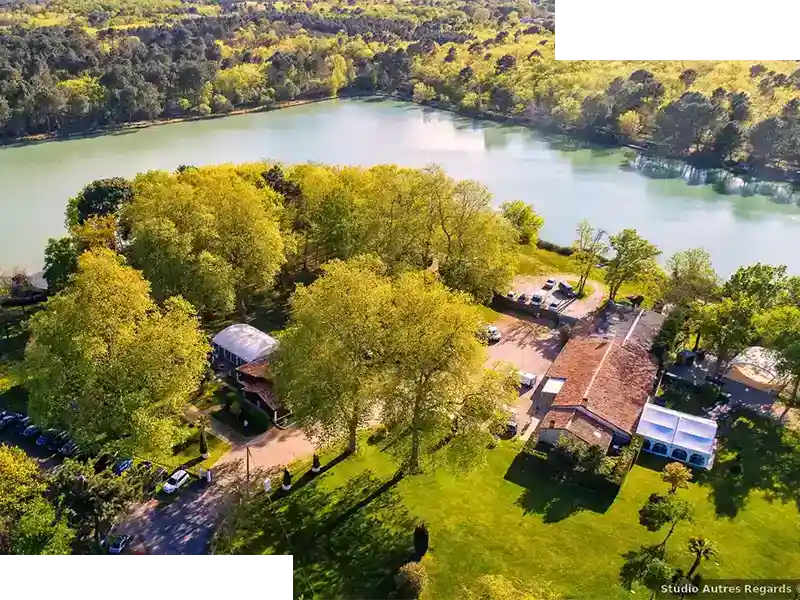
(531, 346)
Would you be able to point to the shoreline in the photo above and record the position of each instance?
(770, 176)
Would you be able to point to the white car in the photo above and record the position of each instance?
(176, 481)
(537, 300)
(527, 379)
(492, 333)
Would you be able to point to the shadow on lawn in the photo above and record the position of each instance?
(550, 497)
(755, 453)
(347, 542)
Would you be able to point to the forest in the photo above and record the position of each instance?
(75, 66)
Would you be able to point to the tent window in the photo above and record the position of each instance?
(646, 445)
(679, 454)
(696, 459)
(659, 448)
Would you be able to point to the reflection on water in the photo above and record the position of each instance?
(565, 179)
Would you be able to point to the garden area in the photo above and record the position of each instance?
(351, 527)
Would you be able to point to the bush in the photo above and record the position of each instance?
(378, 434)
(421, 539)
(412, 579)
(550, 246)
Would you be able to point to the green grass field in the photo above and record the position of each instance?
(352, 527)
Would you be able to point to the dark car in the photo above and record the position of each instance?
(104, 461)
(118, 544)
(31, 431)
(46, 437)
(58, 440)
(68, 449)
(566, 289)
(23, 422)
(143, 467)
(6, 420)
(160, 475)
(122, 465)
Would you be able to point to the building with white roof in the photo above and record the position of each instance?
(241, 344)
(680, 436)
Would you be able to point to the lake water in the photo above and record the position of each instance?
(563, 183)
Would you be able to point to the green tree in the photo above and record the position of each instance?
(726, 327)
(765, 285)
(101, 197)
(434, 364)
(676, 475)
(670, 510)
(691, 277)
(702, 548)
(587, 250)
(524, 219)
(338, 77)
(499, 587)
(105, 363)
(93, 501)
(28, 522)
(780, 329)
(60, 262)
(211, 234)
(203, 443)
(657, 573)
(331, 355)
(634, 260)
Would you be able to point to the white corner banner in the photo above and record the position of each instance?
(130, 577)
(677, 30)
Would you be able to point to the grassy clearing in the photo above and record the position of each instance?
(588, 290)
(489, 314)
(352, 527)
(189, 452)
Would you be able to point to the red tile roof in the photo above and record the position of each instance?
(580, 425)
(259, 368)
(607, 377)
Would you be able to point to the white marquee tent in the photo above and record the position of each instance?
(242, 344)
(680, 436)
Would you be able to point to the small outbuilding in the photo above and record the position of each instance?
(240, 344)
(679, 436)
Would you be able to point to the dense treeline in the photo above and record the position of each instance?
(488, 58)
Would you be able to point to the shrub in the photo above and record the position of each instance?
(378, 434)
(421, 540)
(550, 246)
(203, 443)
(412, 579)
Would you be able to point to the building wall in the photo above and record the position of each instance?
(550, 435)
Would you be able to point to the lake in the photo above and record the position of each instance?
(564, 181)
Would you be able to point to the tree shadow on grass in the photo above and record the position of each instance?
(347, 542)
(550, 497)
(754, 453)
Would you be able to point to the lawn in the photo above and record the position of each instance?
(351, 527)
(188, 453)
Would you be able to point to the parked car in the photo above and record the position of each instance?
(122, 465)
(46, 436)
(566, 289)
(104, 461)
(6, 420)
(553, 304)
(492, 333)
(23, 422)
(144, 466)
(527, 379)
(31, 431)
(537, 300)
(511, 295)
(118, 544)
(57, 440)
(176, 481)
(523, 299)
(511, 427)
(549, 284)
(68, 449)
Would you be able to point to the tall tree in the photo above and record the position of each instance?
(691, 277)
(60, 262)
(28, 522)
(109, 366)
(331, 355)
(670, 510)
(702, 548)
(210, 234)
(524, 219)
(765, 285)
(435, 364)
(587, 250)
(726, 328)
(780, 330)
(101, 197)
(634, 260)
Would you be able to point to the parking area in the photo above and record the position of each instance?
(530, 345)
(570, 307)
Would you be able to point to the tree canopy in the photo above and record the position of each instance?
(108, 365)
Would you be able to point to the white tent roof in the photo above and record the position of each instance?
(245, 341)
(675, 428)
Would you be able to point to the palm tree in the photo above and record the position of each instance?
(701, 548)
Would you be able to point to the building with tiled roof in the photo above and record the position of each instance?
(598, 385)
